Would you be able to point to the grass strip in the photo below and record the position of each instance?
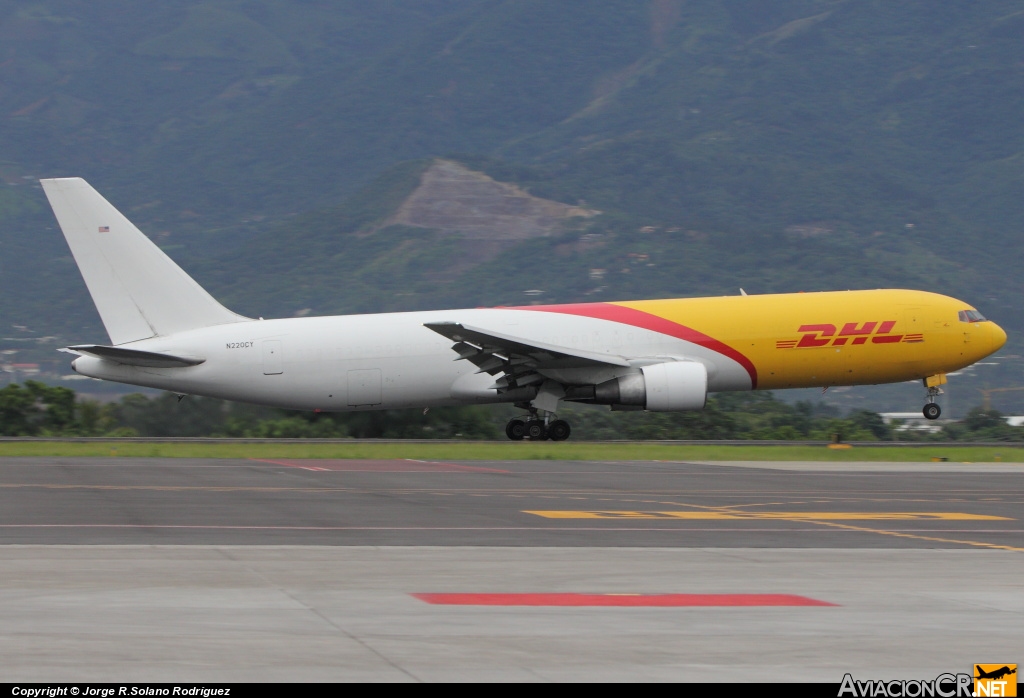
(508, 451)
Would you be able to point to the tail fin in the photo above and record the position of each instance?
(138, 291)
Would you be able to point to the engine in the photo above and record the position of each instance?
(667, 387)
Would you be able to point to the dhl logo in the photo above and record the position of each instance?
(851, 333)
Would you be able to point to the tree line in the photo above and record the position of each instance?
(36, 409)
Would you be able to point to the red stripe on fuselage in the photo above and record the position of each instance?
(648, 321)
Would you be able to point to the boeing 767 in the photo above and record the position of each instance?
(167, 332)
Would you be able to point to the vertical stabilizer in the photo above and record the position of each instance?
(138, 290)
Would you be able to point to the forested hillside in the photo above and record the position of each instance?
(35, 409)
(268, 145)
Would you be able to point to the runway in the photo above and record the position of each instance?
(172, 569)
(511, 503)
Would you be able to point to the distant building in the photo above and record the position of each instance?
(915, 421)
(22, 369)
(910, 421)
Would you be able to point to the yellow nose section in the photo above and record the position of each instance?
(997, 336)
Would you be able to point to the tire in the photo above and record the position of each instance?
(536, 431)
(931, 411)
(559, 430)
(515, 429)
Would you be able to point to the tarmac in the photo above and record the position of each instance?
(139, 570)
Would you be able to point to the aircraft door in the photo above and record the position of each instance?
(273, 357)
(364, 387)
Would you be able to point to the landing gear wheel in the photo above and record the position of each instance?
(931, 411)
(559, 430)
(536, 430)
(515, 429)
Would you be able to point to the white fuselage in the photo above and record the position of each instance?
(386, 361)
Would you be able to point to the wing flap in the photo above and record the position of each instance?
(510, 349)
(134, 357)
(518, 360)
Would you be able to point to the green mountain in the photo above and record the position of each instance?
(272, 148)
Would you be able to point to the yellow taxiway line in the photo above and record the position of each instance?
(783, 515)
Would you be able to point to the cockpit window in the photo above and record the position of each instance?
(970, 316)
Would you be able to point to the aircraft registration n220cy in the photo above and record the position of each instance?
(167, 332)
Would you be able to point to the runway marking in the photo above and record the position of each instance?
(402, 528)
(884, 532)
(722, 515)
(898, 534)
(405, 465)
(620, 600)
(448, 492)
(463, 468)
(181, 488)
(674, 530)
(288, 465)
(520, 493)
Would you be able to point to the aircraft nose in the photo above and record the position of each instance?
(997, 336)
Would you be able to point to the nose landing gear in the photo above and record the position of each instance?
(932, 383)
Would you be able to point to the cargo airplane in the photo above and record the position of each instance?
(166, 332)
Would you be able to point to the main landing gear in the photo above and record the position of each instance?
(536, 428)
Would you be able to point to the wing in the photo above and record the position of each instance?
(518, 359)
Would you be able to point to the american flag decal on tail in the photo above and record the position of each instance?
(104, 228)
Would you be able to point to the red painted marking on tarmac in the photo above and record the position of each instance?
(630, 600)
(407, 465)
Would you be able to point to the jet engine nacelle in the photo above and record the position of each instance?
(672, 386)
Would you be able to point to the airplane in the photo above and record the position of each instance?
(167, 332)
(995, 674)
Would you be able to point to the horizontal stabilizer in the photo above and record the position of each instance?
(134, 357)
